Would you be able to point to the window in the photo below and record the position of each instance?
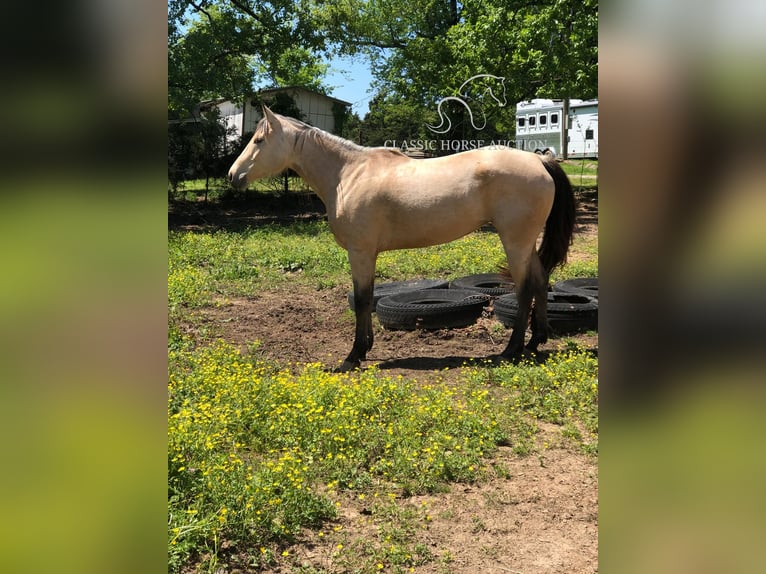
(543, 119)
(588, 134)
(554, 119)
(531, 121)
(522, 122)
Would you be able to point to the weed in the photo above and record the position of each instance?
(249, 445)
(257, 452)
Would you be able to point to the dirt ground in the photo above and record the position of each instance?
(539, 518)
(306, 326)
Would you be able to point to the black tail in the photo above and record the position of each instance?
(560, 225)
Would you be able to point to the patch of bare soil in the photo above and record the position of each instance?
(539, 518)
(302, 325)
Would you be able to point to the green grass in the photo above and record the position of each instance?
(583, 173)
(259, 452)
(256, 452)
(206, 266)
(220, 188)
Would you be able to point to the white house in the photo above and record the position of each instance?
(317, 110)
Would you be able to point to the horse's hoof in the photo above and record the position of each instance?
(512, 351)
(531, 347)
(535, 342)
(514, 359)
(348, 366)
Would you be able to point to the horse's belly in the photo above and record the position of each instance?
(408, 232)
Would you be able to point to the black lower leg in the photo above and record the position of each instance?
(539, 330)
(363, 334)
(516, 342)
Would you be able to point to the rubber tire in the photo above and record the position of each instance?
(395, 287)
(587, 286)
(431, 309)
(492, 284)
(567, 312)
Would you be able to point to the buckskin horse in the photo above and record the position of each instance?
(378, 199)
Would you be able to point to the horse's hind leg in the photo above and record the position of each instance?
(363, 275)
(528, 273)
(538, 279)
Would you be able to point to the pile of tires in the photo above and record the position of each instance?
(396, 287)
(567, 312)
(492, 284)
(587, 286)
(437, 304)
(431, 309)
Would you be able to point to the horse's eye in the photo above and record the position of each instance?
(257, 140)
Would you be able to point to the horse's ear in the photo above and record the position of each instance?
(271, 119)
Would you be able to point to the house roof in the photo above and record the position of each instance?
(301, 88)
(206, 103)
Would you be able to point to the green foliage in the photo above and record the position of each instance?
(425, 51)
(249, 444)
(299, 66)
(197, 148)
(563, 391)
(393, 118)
(203, 266)
(420, 52)
(258, 453)
(208, 59)
(222, 48)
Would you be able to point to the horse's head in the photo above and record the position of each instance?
(265, 155)
(498, 91)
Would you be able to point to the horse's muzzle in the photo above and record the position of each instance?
(238, 180)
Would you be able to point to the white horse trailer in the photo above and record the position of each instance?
(540, 127)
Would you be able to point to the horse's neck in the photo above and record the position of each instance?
(320, 163)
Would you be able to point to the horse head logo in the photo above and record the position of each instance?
(492, 85)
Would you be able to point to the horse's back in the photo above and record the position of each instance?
(417, 202)
(486, 174)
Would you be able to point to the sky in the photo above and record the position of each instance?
(351, 80)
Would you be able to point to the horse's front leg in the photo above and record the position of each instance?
(363, 275)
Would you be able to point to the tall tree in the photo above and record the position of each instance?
(223, 48)
(425, 50)
(421, 51)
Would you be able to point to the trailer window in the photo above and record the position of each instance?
(588, 134)
(522, 122)
(531, 120)
(543, 119)
(554, 119)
